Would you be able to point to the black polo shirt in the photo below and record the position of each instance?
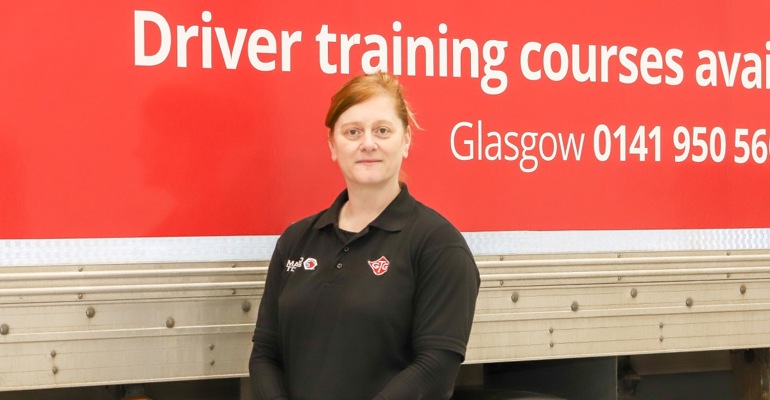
(343, 314)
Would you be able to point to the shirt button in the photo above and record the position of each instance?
(346, 249)
(339, 265)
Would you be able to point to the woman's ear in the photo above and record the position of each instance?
(332, 149)
(407, 141)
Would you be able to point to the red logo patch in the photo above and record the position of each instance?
(380, 266)
(310, 264)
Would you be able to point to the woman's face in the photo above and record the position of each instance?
(369, 142)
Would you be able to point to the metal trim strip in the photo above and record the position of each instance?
(31, 252)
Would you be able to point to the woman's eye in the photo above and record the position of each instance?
(352, 132)
(382, 131)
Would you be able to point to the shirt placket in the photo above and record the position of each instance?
(343, 255)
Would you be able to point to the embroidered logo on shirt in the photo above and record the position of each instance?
(292, 265)
(380, 266)
(310, 264)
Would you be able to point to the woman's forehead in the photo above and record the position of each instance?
(377, 108)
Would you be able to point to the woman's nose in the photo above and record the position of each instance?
(368, 142)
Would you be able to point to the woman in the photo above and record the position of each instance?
(374, 297)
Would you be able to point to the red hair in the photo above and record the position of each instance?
(363, 88)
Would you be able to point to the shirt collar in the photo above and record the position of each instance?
(393, 218)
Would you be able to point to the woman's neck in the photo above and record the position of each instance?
(364, 205)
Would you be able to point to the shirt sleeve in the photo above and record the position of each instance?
(265, 364)
(430, 376)
(445, 296)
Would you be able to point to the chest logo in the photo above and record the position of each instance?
(292, 265)
(379, 266)
(310, 264)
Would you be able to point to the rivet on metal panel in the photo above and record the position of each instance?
(743, 289)
(246, 306)
(550, 330)
(728, 253)
(80, 269)
(233, 291)
(502, 258)
(688, 302)
(211, 362)
(90, 312)
(55, 370)
(620, 278)
(211, 346)
(515, 297)
(728, 276)
(170, 322)
(574, 306)
(80, 295)
(53, 353)
(4, 329)
(633, 293)
(661, 338)
(660, 325)
(232, 265)
(551, 344)
(619, 255)
(501, 283)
